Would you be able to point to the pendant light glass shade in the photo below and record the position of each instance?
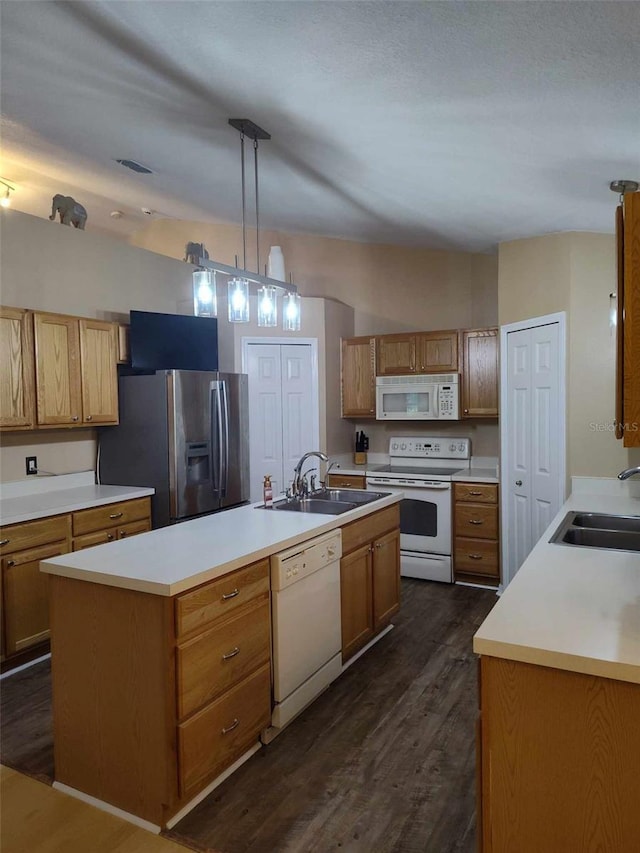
(291, 312)
(205, 303)
(238, 300)
(267, 306)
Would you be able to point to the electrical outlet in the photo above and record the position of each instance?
(31, 464)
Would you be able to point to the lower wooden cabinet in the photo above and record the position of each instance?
(369, 577)
(24, 599)
(476, 533)
(559, 760)
(155, 696)
(346, 481)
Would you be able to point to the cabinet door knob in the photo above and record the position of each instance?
(231, 654)
(518, 482)
(74, 418)
(229, 595)
(89, 417)
(109, 536)
(234, 725)
(11, 562)
(466, 411)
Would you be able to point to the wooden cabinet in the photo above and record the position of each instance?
(110, 522)
(76, 378)
(25, 601)
(358, 378)
(417, 352)
(476, 538)
(559, 760)
(480, 373)
(17, 378)
(437, 352)
(160, 694)
(369, 577)
(627, 415)
(25, 604)
(396, 354)
(346, 481)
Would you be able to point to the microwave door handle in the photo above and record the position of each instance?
(436, 395)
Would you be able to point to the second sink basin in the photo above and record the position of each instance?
(599, 530)
(326, 507)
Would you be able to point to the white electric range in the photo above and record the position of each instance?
(422, 468)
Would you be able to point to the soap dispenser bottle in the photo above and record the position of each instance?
(267, 491)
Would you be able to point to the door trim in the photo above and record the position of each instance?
(559, 318)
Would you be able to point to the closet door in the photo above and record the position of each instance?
(283, 414)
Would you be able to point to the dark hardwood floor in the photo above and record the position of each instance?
(383, 761)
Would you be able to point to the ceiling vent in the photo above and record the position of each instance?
(135, 167)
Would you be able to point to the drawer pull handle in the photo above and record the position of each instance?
(116, 515)
(475, 521)
(475, 556)
(4, 541)
(475, 494)
(229, 595)
(234, 725)
(231, 654)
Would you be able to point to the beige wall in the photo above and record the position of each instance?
(391, 288)
(575, 273)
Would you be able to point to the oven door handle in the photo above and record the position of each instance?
(433, 486)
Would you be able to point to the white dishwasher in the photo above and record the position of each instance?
(307, 634)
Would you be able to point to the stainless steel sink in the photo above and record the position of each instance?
(603, 521)
(599, 530)
(324, 507)
(357, 496)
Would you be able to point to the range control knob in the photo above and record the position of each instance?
(461, 448)
(452, 447)
(403, 446)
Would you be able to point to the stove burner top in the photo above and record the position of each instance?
(417, 472)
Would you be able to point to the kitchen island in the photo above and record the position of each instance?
(161, 650)
(559, 749)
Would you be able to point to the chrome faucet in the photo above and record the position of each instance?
(297, 487)
(628, 472)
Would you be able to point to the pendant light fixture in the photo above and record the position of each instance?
(267, 306)
(5, 200)
(291, 312)
(238, 298)
(205, 303)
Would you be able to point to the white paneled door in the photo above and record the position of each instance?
(533, 439)
(283, 419)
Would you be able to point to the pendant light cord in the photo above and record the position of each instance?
(255, 161)
(244, 233)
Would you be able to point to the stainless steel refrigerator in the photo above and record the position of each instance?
(186, 434)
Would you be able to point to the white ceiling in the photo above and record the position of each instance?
(442, 124)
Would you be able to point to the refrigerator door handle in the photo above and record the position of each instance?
(224, 444)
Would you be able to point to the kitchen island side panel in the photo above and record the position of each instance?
(113, 673)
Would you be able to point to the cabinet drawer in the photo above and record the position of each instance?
(478, 556)
(479, 493)
(196, 609)
(346, 481)
(218, 735)
(366, 529)
(110, 515)
(221, 657)
(477, 520)
(134, 528)
(29, 534)
(101, 537)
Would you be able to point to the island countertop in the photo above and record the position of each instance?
(177, 558)
(572, 608)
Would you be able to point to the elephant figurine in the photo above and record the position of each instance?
(194, 251)
(71, 213)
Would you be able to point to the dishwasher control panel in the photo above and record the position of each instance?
(302, 560)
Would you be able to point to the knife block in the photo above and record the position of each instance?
(360, 458)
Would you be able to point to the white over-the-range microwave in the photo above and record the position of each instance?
(418, 398)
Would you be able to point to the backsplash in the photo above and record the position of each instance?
(57, 451)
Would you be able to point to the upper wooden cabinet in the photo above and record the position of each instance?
(480, 373)
(628, 353)
(76, 377)
(396, 355)
(17, 380)
(358, 378)
(437, 352)
(417, 352)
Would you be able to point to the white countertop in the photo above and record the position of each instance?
(485, 470)
(572, 608)
(27, 501)
(174, 559)
(476, 475)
